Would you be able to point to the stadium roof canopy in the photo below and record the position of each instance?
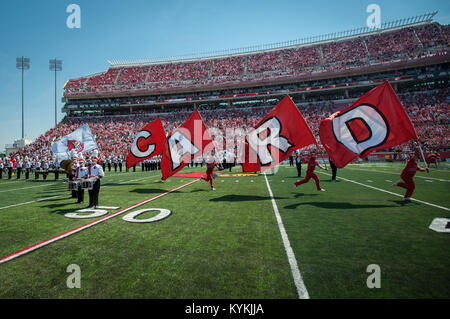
(385, 27)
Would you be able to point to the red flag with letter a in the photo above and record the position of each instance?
(280, 132)
(148, 142)
(187, 142)
(376, 121)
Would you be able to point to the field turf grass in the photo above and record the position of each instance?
(226, 243)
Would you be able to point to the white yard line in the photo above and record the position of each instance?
(398, 174)
(33, 201)
(301, 288)
(385, 191)
(16, 189)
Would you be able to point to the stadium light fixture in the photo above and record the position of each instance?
(55, 65)
(22, 64)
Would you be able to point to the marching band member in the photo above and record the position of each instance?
(95, 171)
(115, 164)
(95, 155)
(19, 167)
(45, 167)
(71, 176)
(27, 169)
(120, 164)
(10, 168)
(80, 173)
(37, 168)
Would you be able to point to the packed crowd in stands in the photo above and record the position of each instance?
(390, 46)
(404, 44)
(429, 111)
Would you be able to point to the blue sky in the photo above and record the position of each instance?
(150, 29)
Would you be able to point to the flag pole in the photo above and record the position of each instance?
(423, 156)
(325, 156)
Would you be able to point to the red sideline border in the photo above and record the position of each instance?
(83, 227)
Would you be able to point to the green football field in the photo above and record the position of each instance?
(228, 243)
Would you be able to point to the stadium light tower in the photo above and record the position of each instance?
(22, 64)
(55, 65)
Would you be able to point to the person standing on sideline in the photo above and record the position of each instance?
(2, 166)
(333, 170)
(312, 163)
(298, 164)
(57, 166)
(95, 171)
(407, 176)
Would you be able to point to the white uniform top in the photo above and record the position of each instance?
(45, 166)
(81, 172)
(96, 170)
(10, 164)
(28, 165)
(1, 165)
(37, 165)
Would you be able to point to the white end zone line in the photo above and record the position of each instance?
(392, 193)
(81, 228)
(299, 284)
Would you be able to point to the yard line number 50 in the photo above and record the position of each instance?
(130, 217)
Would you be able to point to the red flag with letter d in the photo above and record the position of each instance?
(376, 121)
(280, 132)
(148, 142)
(187, 142)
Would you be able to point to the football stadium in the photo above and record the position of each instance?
(189, 176)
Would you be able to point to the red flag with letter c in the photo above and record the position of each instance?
(147, 143)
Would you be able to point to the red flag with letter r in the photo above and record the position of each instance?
(273, 139)
(187, 142)
(147, 143)
(376, 121)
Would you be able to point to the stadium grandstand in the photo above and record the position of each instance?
(236, 88)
